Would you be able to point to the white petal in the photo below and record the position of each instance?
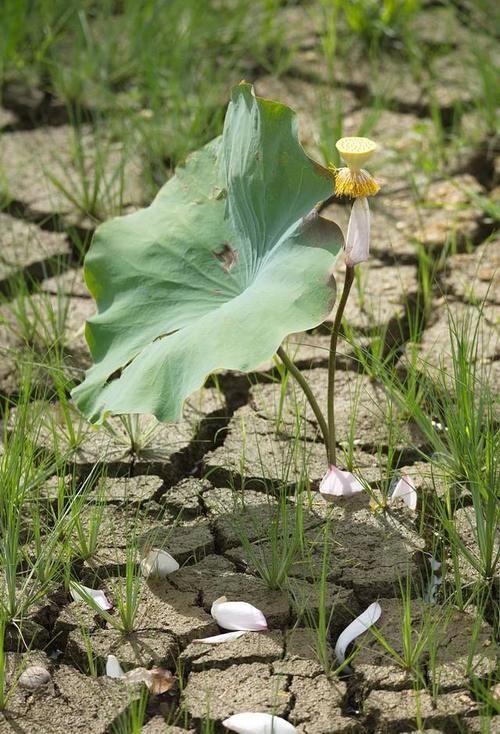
(80, 592)
(405, 489)
(338, 483)
(158, 563)
(256, 723)
(356, 628)
(238, 615)
(225, 637)
(357, 244)
(113, 667)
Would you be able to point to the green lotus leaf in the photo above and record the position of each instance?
(230, 258)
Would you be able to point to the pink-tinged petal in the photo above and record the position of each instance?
(356, 628)
(158, 563)
(357, 243)
(139, 675)
(81, 593)
(258, 723)
(238, 615)
(113, 667)
(405, 490)
(338, 483)
(224, 637)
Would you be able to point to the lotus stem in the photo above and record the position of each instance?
(331, 445)
(295, 372)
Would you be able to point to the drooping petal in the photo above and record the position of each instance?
(113, 667)
(158, 563)
(338, 483)
(405, 490)
(238, 615)
(357, 243)
(224, 637)
(258, 723)
(356, 628)
(80, 593)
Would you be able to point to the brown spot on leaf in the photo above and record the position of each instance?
(226, 256)
(162, 336)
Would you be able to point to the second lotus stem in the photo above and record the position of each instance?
(331, 448)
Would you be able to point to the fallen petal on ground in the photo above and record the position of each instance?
(113, 667)
(158, 563)
(238, 615)
(405, 490)
(224, 637)
(258, 723)
(356, 628)
(81, 593)
(338, 483)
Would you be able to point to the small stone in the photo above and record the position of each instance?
(34, 677)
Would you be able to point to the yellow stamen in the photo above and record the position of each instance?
(353, 183)
(356, 151)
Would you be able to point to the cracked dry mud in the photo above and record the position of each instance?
(210, 488)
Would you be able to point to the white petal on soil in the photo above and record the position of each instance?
(158, 563)
(338, 483)
(217, 639)
(405, 490)
(356, 628)
(258, 723)
(34, 677)
(79, 593)
(113, 667)
(238, 615)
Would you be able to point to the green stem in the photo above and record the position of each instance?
(331, 447)
(295, 372)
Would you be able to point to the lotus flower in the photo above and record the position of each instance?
(238, 615)
(405, 490)
(356, 628)
(82, 593)
(158, 563)
(338, 483)
(258, 723)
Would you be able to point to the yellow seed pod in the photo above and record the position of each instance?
(356, 151)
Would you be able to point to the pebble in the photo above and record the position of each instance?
(34, 677)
